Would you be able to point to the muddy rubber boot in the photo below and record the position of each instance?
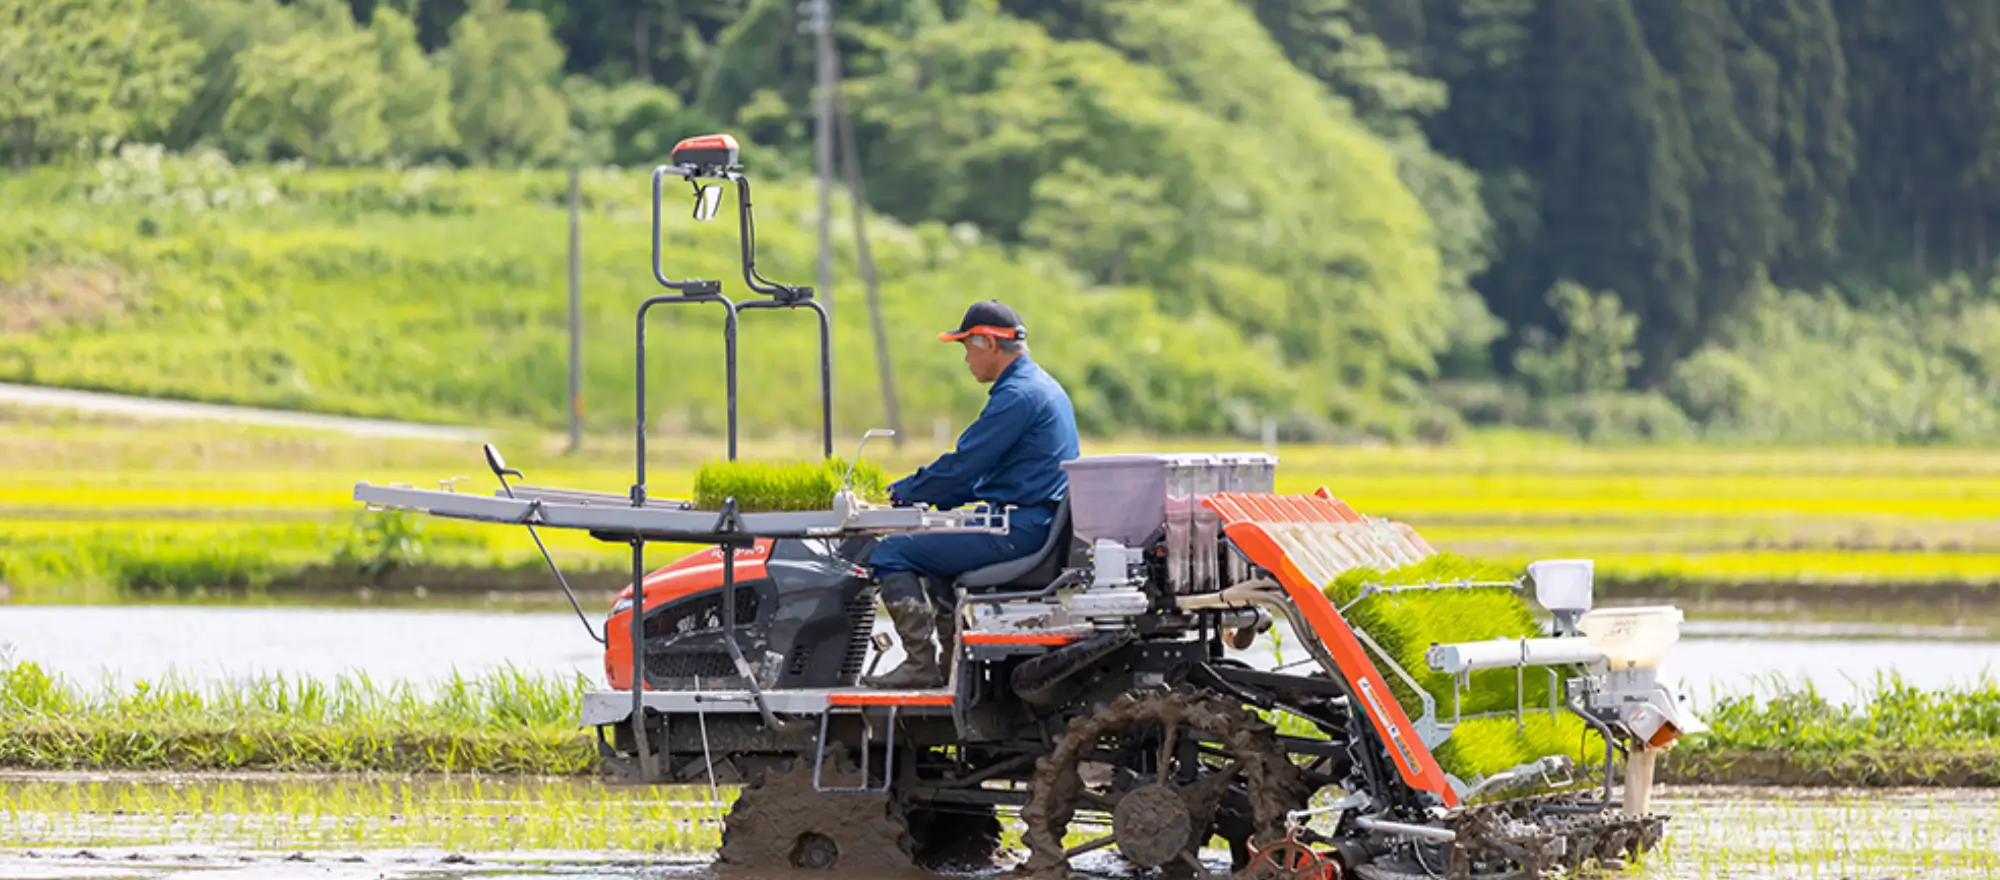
(911, 612)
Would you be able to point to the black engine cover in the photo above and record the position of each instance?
(804, 624)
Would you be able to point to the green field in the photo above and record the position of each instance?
(96, 509)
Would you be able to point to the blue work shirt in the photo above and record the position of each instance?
(1012, 454)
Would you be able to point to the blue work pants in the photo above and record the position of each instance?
(940, 559)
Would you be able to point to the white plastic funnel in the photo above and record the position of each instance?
(1562, 584)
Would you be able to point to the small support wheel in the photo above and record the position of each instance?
(1291, 860)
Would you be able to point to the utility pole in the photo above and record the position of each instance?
(575, 308)
(823, 48)
(850, 162)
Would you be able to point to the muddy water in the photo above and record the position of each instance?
(343, 829)
(125, 643)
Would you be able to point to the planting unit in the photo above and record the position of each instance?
(1100, 685)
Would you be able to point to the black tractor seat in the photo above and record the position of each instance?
(1032, 571)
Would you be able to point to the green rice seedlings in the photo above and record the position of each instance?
(1438, 568)
(781, 486)
(1407, 622)
(1480, 747)
(480, 815)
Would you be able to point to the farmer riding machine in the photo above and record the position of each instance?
(1114, 690)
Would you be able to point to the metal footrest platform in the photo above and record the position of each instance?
(614, 707)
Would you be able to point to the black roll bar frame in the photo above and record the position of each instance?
(728, 539)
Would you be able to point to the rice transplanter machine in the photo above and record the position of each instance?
(1106, 691)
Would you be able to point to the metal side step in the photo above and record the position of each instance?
(612, 707)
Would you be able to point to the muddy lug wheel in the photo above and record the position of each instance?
(1291, 860)
(1149, 776)
(781, 822)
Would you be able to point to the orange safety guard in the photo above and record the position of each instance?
(1245, 517)
(1017, 639)
(889, 698)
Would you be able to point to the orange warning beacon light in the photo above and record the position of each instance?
(709, 151)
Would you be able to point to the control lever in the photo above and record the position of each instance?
(847, 480)
(845, 503)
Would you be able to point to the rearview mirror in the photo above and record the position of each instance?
(706, 200)
(498, 464)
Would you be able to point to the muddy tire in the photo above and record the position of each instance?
(1150, 730)
(780, 822)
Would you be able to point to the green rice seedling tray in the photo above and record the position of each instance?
(772, 486)
(1406, 623)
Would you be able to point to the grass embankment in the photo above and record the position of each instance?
(503, 723)
(1897, 735)
(95, 509)
(513, 723)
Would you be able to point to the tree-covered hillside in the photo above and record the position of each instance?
(1389, 217)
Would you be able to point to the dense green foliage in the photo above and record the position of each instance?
(1355, 217)
(436, 295)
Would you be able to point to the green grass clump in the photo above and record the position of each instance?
(1894, 714)
(1894, 735)
(504, 722)
(768, 485)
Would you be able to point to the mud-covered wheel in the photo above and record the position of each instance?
(781, 822)
(955, 837)
(1157, 765)
(1289, 860)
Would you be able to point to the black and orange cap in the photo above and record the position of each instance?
(989, 318)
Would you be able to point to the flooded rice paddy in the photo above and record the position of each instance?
(202, 643)
(247, 827)
(250, 826)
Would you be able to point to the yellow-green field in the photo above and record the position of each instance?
(85, 502)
